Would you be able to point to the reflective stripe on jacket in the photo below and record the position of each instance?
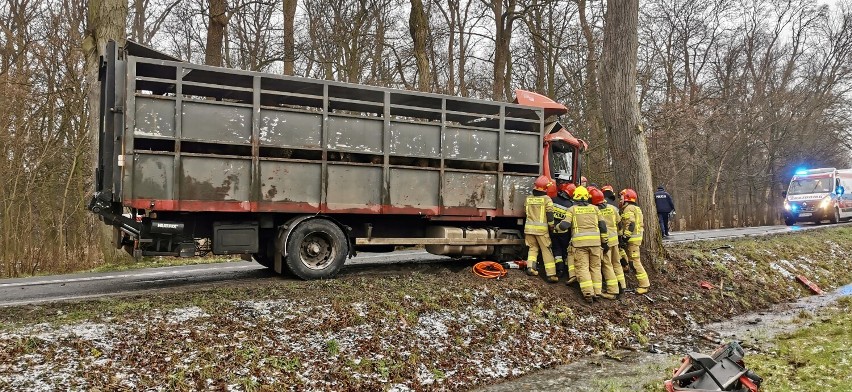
(539, 215)
(632, 223)
(610, 216)
(584, 226)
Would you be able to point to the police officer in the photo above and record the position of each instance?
(630, 236)
(539, 210)
(588, 236)
(665, 207)
(561, 238)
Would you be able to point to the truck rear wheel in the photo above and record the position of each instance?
(316, 249)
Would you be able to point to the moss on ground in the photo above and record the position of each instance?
(815, 358)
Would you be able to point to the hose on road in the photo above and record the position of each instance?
(489, 270)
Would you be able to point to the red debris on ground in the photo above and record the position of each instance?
(811, 285)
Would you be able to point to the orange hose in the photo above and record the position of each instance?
(489, 270)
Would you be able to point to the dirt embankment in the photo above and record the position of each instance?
(417, 327)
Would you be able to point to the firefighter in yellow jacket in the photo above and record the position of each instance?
(539, 209)
(630, 236)
(610, 262)
(588, 236)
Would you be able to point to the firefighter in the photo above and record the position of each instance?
(584, 182)
(630, 236)
(610, 262)
(588, 236)
(539, 209)
(609, 194)
(561, 239)
(569, 256)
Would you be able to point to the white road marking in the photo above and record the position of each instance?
(108, 277)
(175, 272)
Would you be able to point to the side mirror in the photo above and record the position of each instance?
(784, 194)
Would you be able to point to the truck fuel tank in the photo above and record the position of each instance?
(458, 232)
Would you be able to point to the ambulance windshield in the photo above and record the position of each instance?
(801, 186)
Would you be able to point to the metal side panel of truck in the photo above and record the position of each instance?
(301, 173)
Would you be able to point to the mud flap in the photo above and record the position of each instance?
(281, 241)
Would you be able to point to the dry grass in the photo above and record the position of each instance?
(413, 328)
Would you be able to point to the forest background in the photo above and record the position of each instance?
(734, 95)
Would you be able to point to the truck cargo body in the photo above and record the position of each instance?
(190, 152)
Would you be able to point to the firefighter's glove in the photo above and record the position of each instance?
(605, 247)
(624, 265)
(622, 241)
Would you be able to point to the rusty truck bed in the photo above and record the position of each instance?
(200, 138)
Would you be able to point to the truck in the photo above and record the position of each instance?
(816, 195)
(302, 173)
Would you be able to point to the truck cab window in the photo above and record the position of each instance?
(561, 159)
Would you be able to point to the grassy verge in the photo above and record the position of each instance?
(814, 358)
(410, 327)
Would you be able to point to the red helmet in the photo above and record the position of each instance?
(628, 195)
(542, 183)
(597, 195)
(608, 188)
(568, 188)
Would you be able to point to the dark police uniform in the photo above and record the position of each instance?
(665, 206)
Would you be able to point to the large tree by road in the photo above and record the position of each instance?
(621, 112)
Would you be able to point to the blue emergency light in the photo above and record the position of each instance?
(801, 172)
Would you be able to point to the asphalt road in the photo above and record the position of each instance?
(91, 285)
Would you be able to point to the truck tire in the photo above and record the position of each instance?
(789, 221)
(316, 249)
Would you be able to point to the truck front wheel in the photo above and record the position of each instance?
(789, 221)
(316, 249)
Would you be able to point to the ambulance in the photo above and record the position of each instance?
(816, 195)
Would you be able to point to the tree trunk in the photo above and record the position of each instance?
(624, 130)
(217, 22)
(289, 36)
(503, 20)
(598, 164)
(418, 27)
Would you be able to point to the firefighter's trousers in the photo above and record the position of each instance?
(614, 258)
(561, 241)
(633, 256)
(583, 257)
(540, 243)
